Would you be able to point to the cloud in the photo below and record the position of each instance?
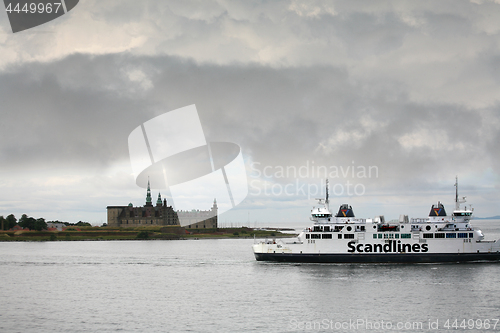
(82, 107)
(409, 87)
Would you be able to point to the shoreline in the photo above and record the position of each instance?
(140, 233)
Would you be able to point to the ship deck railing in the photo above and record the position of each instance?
(420, 220)
(345, 220)
(447, 219)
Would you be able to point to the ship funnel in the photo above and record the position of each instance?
(345, 211)
(437, 210)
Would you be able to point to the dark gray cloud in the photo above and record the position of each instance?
(80, 110)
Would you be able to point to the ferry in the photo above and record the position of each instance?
(343, 238)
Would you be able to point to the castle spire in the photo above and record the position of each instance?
(148, 196)
(158, 202)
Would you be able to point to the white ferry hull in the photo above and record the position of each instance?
(377, 251)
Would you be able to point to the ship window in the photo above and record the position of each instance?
(327, 236)
(317, 228)
(391, 235)
(349, 236)
(462, 235)
(428, 235)
(396, 235)
(326, 228)
(308, 236)
(439, 235)
(471, 235)
(340, 236)
(451, 235)
(362, 228)
(386, 236)
(315, 236)
(379, 235)
(405, 235)
(349, 228)
(374, 236)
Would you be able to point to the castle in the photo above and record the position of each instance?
(160, 215)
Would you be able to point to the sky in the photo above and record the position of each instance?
(389, 100)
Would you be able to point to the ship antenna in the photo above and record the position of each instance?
(326, 201)
(457, 203)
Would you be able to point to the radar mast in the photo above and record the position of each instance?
(457, 200)
(326, 201)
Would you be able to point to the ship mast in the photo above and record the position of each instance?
(326, 201)
(457, 200)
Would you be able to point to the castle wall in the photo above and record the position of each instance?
(113, 213)
(210, 223)
(128, 216)
(199, 219)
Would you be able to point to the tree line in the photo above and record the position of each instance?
(9, 222)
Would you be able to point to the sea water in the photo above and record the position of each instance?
(216, 285)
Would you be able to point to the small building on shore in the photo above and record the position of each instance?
(55, 226)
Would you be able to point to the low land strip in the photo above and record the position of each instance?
(139, 233)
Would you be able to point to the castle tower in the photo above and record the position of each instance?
(148, 197)
(214, 207)
(158, 202)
